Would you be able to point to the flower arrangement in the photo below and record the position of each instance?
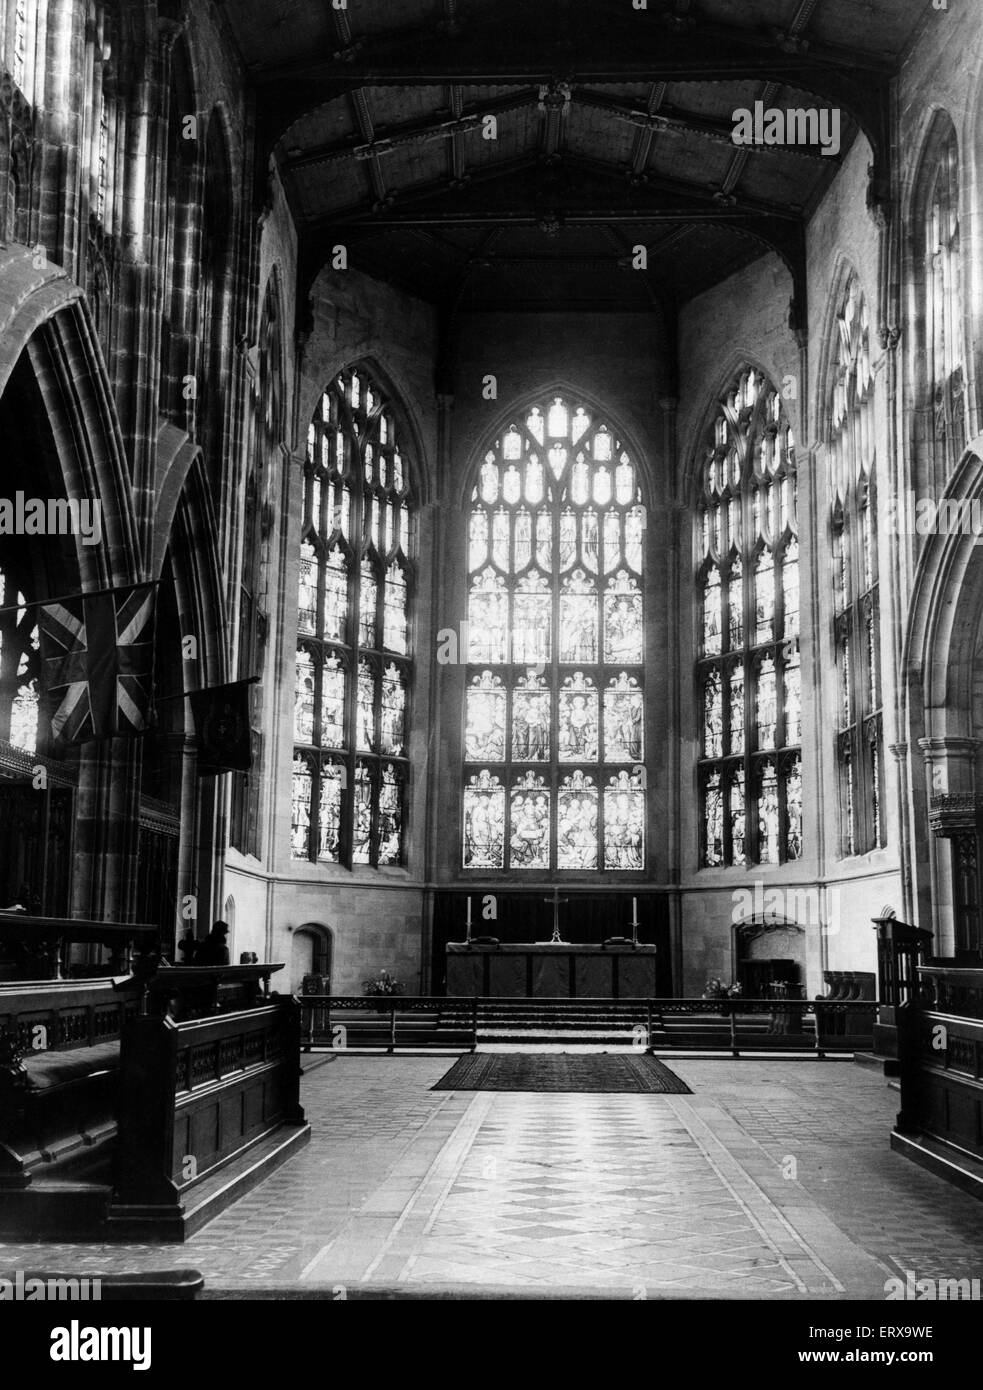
(384, 983)
(716, 989)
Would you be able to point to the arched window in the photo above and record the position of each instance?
(943, 303)
(748, 674)
(855, 581)
(553, 742)
(353, 667)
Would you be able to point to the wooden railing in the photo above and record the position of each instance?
(199, 991)
(952, 990)
(57, 1015)
(730, 1025)
(49, 940)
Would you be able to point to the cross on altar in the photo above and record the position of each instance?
(556, 900)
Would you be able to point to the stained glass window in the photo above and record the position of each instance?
(554, 742)
(20, 670)
(748, 671)
(102, 159)
(943, 308)
(484, 822)
(18, 64)
(353, 666)
(856, 604)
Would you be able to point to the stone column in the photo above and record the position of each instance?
(676, 548)
(952, 799)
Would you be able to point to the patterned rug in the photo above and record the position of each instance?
(609, 1072)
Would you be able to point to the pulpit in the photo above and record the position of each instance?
(553, 970)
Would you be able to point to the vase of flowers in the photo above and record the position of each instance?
(381, 988)
(716, 989)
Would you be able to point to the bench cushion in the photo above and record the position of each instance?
(46, 1070)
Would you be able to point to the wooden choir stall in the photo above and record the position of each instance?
(138, 1107)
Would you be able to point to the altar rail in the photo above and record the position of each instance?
(725, 1025)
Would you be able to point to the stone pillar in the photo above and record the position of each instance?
(953, 805)
(899, 752)
(675, 548)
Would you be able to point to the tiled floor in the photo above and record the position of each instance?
(773, 1179)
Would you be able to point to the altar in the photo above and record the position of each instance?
(534, 970)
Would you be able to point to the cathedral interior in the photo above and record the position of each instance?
(506, 501)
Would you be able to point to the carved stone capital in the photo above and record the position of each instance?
(951, 814)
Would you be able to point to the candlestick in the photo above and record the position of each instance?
(467, 937)
(634, 921)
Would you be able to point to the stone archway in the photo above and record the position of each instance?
(943, 671)
(311, 954)
(53, 381)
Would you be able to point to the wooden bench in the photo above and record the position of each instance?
(207, 1108)
(59, 1058)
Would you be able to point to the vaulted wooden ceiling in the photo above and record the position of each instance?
(613, 129)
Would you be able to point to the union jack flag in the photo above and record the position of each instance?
(98, 664)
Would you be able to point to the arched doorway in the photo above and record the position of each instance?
(310, 954)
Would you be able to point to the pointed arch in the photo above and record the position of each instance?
(393, 385)
(942, 666)
(53, 379)
(942, 633)
(692, 449)
(845, 278)
(44, 316)
(564, 389)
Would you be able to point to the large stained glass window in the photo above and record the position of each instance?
(748, 671)
(353, 668)
(553, 723)
(856, 613)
